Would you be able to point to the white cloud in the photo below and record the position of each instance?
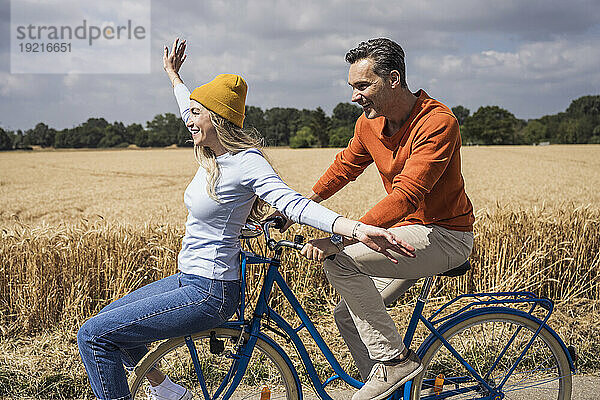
(13, 86)
(538, 78)
(558, 59)
(530, 56)
(71, 80)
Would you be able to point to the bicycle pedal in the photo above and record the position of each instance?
(231, 355)
(216, 346)
(265, 393)
(438, 385)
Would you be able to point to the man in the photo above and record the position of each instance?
(415, 142)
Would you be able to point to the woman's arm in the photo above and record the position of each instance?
(172, 63)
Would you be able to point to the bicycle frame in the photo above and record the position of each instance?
(262, 310)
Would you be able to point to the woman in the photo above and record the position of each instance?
(233, 180)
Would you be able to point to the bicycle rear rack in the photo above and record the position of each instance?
(492, 299)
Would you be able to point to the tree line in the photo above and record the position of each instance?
(579, 123)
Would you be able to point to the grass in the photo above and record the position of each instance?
(80, 229)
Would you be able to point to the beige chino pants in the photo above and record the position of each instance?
(367, 281)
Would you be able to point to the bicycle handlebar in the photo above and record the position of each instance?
(279, 222)
(287, 243)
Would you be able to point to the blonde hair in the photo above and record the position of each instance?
(235, 140)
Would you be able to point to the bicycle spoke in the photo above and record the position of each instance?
(491, 345)
(266, 370)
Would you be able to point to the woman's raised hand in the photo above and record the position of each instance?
(172, 60)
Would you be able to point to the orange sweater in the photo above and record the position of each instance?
(419, 166)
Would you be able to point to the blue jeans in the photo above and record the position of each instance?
(178, 305)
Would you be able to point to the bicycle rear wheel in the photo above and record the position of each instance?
(267, 370)
(491, 343)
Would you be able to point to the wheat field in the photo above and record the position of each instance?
(146, 186)
(81, 228)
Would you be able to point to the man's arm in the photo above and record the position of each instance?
(347, 166)
(315, 197)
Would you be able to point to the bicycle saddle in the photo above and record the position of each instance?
(458, 271)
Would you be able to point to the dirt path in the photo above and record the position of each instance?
(585, 387)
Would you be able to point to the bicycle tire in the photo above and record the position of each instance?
(543, 373)
(266, 368)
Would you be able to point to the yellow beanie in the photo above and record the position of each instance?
(224, 95)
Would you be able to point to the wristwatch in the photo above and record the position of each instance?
(338, 241)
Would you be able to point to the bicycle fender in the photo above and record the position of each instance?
(491, 310)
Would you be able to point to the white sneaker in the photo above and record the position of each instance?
(176, 393)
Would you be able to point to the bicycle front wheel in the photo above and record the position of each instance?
(267, 370)
(491, 343)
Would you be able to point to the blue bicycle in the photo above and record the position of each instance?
(480, 346)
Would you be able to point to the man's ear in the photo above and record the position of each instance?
(394, 79)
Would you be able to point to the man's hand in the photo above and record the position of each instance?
(172, 61)
(383, 241)
(319, 249)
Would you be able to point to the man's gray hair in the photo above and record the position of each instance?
(386, 54)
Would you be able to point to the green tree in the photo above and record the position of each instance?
(19, 140)
(131, 132)
(255, 118)
(66, 138)
(320, 126)
(340, 136)
(303, 138)
(345, 114)
(568, 131)
(165, 130)
(534, 132)
(461, 113)
(142, 139)
(490, 125)
(552, 123)
(40, 135)
(6, 140)
(343, 119)
(585, 111)
(595, 139)
(90, 133)
(585, 105)
(113, 136)
(280, 124)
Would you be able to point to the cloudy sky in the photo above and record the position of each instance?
(532, 57)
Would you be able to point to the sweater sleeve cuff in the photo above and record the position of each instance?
(322, 191)
(389, 211)
(182, 95)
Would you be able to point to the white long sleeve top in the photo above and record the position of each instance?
(211, 246)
